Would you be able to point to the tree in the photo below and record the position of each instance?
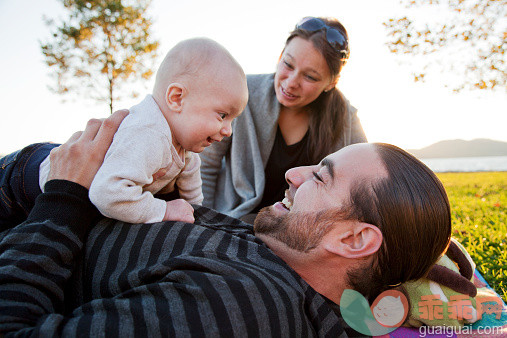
(101, 45)
(466, 38)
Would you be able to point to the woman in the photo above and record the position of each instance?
(294, 117)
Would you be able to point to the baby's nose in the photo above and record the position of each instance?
(227, 130)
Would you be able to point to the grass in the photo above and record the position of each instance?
(479, 220)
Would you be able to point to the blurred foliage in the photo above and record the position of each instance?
(100, 43)
(479, 220)
(464, 38)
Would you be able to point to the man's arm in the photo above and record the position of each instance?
(79, 159)
(38, 256)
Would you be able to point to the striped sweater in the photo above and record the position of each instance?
(61, 277)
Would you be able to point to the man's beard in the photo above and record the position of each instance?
(301, 231)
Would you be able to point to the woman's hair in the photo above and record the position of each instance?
(411, 209)
(328, 111)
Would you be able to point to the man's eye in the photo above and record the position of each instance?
(317, 176)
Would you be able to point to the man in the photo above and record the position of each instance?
(345, 223)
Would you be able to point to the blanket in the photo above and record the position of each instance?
(493, 324)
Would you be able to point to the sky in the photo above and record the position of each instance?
(392, 107)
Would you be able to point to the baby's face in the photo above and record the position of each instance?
(209, 108)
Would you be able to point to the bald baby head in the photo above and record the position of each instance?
(194, 60)
(200, 89)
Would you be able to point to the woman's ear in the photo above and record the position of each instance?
(357, 241)
(174, 96)
(332, 84)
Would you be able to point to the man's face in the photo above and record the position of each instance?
(315, 193)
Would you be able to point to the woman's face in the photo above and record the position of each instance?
(302, 74)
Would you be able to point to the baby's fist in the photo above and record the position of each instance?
(179, 210)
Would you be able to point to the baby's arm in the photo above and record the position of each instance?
(189, 180)
(117, 189)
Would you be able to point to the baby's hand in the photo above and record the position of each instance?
(159, 174)
(179, 210)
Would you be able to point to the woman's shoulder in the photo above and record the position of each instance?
(259, 80)
(261, 89)
(349, 108)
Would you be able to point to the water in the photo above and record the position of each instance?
(463, 164)
(467, 164)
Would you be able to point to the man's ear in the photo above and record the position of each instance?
(174, 96)
(359, 240)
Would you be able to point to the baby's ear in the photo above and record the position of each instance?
(174, 96)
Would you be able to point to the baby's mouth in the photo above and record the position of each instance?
(212, 140)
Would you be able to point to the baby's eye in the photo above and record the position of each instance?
(222, 115)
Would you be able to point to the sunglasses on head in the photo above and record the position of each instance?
(334, 37)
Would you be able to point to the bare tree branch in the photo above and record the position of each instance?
(465, 39)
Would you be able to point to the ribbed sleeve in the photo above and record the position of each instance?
(37, 258)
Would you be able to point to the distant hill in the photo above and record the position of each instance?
(462, 148)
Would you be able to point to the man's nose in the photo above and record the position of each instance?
(299, 175)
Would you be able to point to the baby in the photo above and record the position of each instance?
(199, 90)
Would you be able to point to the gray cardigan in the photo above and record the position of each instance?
(232, 171)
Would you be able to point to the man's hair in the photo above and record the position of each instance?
(411, 208)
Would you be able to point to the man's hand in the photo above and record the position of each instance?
(179, 210)
(79, 159)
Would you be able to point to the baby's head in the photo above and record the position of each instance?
(200, 88)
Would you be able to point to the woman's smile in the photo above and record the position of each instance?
(287, 94)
